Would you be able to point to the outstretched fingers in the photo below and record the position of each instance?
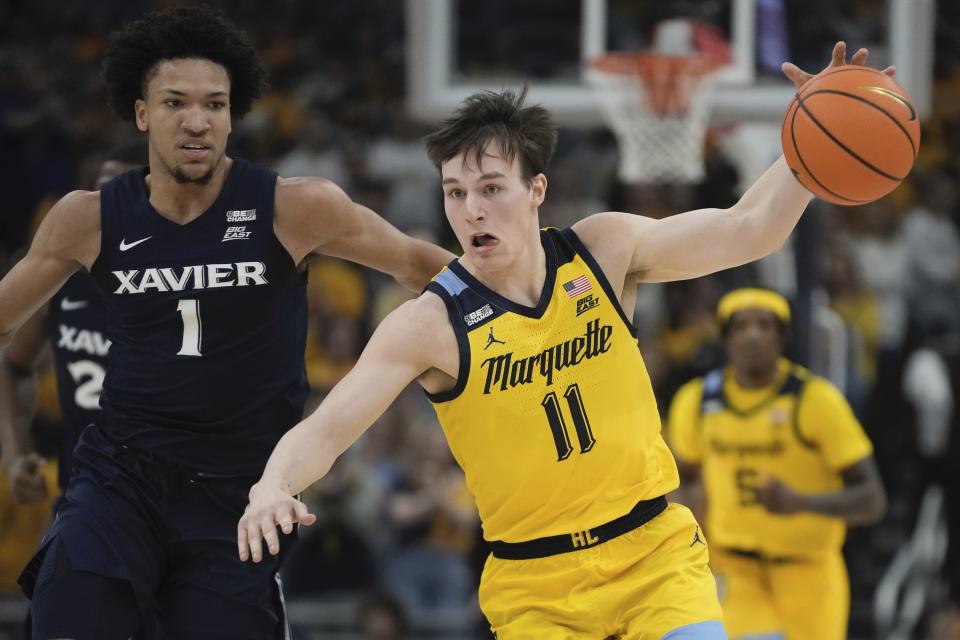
(268, 529)
(839, 56)
(303, 515)
(860, 57)
(245, 538)
(257, 529)
(795, 74)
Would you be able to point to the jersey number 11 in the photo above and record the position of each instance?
(561, 436)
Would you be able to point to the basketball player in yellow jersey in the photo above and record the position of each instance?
(534, 371)
(785, 465)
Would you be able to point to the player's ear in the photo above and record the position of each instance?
(538, 188)
(140, 111)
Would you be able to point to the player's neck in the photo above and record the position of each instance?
(522, 280)
(182, 203)
(756, 378)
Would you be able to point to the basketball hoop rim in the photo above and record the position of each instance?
(634, 63)
(657, 106)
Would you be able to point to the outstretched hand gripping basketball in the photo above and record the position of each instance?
(799, 77)
(851, 134)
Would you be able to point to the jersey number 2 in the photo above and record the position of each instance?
(190, 314)
(561, 436)
(88, 376)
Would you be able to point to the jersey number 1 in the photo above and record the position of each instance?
(190, 314)
(561, 437)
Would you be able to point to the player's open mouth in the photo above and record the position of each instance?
(195, 150)
(480, 240)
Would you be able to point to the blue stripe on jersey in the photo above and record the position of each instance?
(208, 324)
(450, 281)
(77, 329)
(710, 630)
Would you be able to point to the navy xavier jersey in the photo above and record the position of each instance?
(76, 326)
(208, 324)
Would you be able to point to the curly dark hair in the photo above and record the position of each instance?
(525, 132)
(184, 32)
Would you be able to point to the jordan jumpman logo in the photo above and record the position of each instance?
(697, 538)
(491, 340)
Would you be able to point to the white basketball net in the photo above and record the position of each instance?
(659, 113)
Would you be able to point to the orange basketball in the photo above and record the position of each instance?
(850, 135)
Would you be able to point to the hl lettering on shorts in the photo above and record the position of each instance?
(585, 538)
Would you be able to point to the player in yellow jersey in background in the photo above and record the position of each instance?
(785, 466)
(533, 368)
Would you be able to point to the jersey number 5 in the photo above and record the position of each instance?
(561, 436)
(192, 336)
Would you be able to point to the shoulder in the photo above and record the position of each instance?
(613, 238)
(310, 196)
(418, 330)
(77, 209)
(422, 316)
(823, 406)
(71, 229)
(690, 394)
(820, 390)
(301, 200)
(608, 227)
(309, 213)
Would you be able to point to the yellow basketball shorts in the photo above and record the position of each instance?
(805, 599)
(639, 586)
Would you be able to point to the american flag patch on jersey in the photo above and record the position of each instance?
(576, 286)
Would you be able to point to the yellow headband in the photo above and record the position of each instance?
(750, 298)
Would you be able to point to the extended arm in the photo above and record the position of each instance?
(704, 241)
(18, 392)
(68, 239)
(862, 500)
(402, 348)
(316, 216)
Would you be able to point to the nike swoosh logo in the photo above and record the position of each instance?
(124, 246)
(72, 305)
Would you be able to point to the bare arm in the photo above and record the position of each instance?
(412, 340)
(862, 500)
(18, 392)
(68, 239)
(315, 216)
(697, 243)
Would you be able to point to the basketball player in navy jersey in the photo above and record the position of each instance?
(73, 326)
(201, 262)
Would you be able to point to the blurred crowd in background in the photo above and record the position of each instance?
(397, 543)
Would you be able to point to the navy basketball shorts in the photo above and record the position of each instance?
(143, 548)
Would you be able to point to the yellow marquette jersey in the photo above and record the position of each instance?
(552, 418)
(800, 430)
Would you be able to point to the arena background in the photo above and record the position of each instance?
(356, 83)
